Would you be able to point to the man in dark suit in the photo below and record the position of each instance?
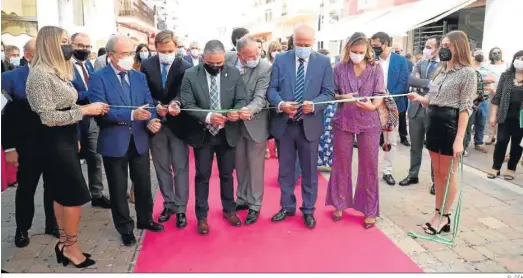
(300, 77)
(170, 153)
(193, 58)
(237, 34)
(21, 138)
(214, 85)
(396, 77)
(124, 137)
(83, 68)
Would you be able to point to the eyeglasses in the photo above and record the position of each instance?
(125, 54)
(81, 46)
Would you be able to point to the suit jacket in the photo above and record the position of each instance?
(100, 62)
(79, 84)
(188, 58)
(420, 78)
(195, 95)
(20, 125)
(256, 84)
(319, 87)
(398, 80)
(116, 126)
(152, 70)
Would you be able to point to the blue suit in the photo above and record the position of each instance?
(116, 126)
(398, 80)
(78, 82)
(302, 136)
(188, 58)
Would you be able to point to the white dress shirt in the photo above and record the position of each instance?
(385, 65)
(208, 118)
(120, 80)
(79, 69)
(195, 61)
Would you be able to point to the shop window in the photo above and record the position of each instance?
(19, 17)
(471, 21)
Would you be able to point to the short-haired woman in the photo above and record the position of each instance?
(450, 104)
(53, 97)
(273, 50)
(356, 74)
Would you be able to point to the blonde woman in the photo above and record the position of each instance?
(53, 97)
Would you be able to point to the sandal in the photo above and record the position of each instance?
(509, 175)
(369, 222)
(267, 154)
(428, 225)
(493, 174)
(492, 141)
(335, 217)
(446, 228)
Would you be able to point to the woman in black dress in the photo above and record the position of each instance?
(53, 97)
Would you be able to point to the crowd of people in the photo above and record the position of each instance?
(133, 104)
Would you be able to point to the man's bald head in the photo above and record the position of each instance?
(29, 49)
(304, 36)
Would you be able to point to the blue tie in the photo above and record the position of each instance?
(164, 74)
(125, 86)
(300, 87)
(430, 69)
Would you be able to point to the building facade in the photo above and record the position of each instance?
(136, 19)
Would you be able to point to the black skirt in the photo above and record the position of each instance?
(65, 178)
(442, 129)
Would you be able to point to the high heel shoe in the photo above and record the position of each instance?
(60, 254)
(367, 225)
(493, 174)
(65, 260)
(446, 228)
(336, 218)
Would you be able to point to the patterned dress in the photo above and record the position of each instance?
(325, 147)
(349, 123)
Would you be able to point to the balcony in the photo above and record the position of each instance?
(136, 14)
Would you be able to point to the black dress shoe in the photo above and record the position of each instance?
(432, 190)
(355, 145)
(21, 238)
(389, 179)
(52, 232)
(165, 215)
(310, 222)
(252, 217)
(408, 181)
(405, 142)
(128, 239)
(151, 226)
(181, 220)
(281, 215)
(102, 202)
(242, 207)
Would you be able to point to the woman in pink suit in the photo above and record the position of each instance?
(356, 74)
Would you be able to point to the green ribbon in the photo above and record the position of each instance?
(438, 238)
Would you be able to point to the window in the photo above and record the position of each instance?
(268, 16)
(268, 1)
(78, 12)
(284, 8)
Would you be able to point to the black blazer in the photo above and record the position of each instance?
(151, 68)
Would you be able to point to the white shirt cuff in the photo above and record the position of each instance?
(174, 101)
(279, 104)
(10, 150)
(208, 118)
(132, 115)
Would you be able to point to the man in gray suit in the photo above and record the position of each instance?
(214, 85)
(100, 62)
(254, 129)
(421, 76)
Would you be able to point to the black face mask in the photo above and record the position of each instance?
(479, 58)
(80, 54)
(67, 50)
(444, 54)
(213, 70)
(377, 51)
(496, 57)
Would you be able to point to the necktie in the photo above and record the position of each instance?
(125, 86)
(300, 87)
(164, 74)
(84, 72)
(215, 104)
(430, 68)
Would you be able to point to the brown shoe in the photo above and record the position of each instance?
(481, 148)
(203, 227)
(232, 218)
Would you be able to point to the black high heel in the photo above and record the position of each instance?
(65, 260)
(446, 228)
(428, 226)
(59, 253)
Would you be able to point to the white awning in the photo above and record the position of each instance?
(347, 26)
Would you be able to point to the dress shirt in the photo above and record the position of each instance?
(305, 64)
(239, 66)
(168, 67)
(208, 118)
(385, 65)
(126, 79)
(195, 61)
(80, 69)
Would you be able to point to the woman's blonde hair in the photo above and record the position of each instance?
(49, 52)
(273, 46)
(460, 42)
(357, 39)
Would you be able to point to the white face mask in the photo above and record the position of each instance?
(356, 58)
(167, 58)
(427, 54)
(126, 63)
(518, 64)
(3, 56)
(252, 63)
(195, 53)
(274, 54)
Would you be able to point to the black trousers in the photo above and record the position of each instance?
(203, 158)
(402, 128)
(116, 170)
(508, 131)
(31, 163)
(89, 140)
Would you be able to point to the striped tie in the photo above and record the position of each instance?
(300, 87)
(215, 104)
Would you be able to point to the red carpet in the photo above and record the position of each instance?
(269, 247)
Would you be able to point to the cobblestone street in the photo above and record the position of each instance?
(490, 237)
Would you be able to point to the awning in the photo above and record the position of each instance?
(404, 18)
(347, 26)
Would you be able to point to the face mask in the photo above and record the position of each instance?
(167, 58)
(3, 56)
(212, 70)
(427, 54)
(81, 55)
(303, 52)
(252, 63)
(397, 52)
(195, 53)
(274, 54)
(181, 51)
(356, 58)
(126, 63)
(15, 61)
(445, 55)
(67, 51)
(518, 64)
(153, 53)
(144, 55)
(377, 51)
(479, 58)
(496, 57)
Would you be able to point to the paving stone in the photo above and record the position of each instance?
(512, 264)
(492, 222)
(489, 266)
(468, 254)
